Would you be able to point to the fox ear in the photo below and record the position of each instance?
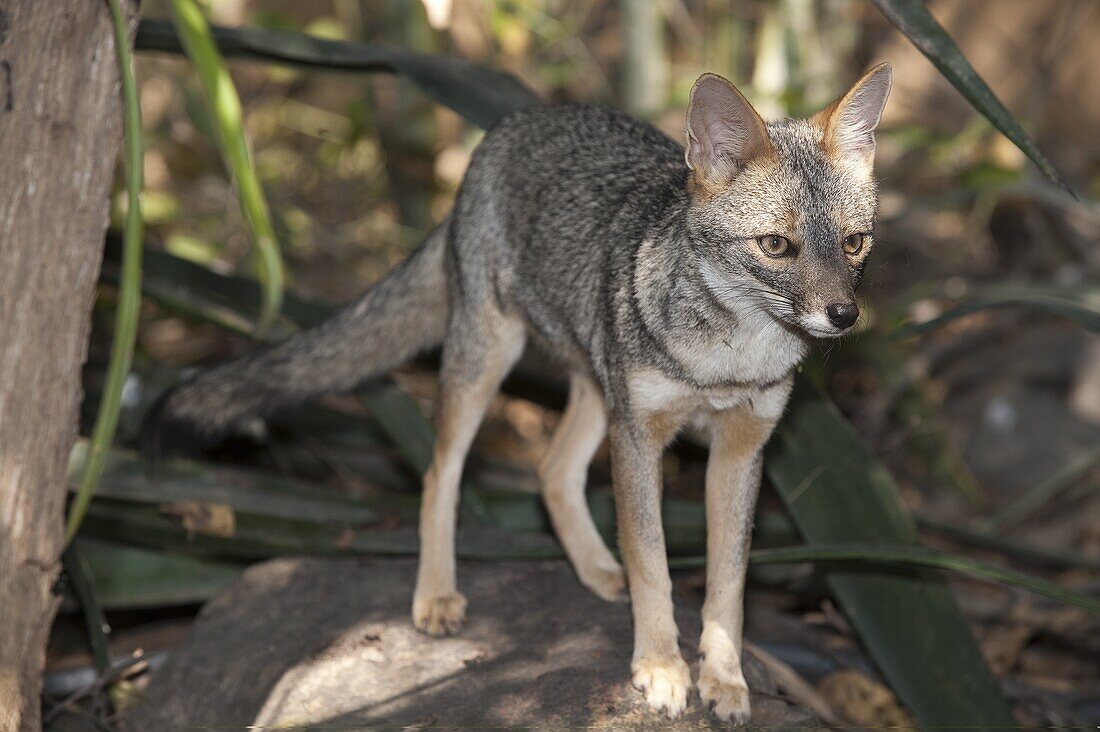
(851, 121)
(723, 130)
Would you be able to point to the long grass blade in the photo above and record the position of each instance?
(916, 556)
(129, 291)
(221, 97)
(902, 557)
(1057, 484)
(1031, 554)
(912, 18)
(1064, 305)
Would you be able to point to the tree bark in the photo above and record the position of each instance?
(60, 129)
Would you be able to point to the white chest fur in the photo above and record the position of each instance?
(758, 350)
(749, 365)
(653, 392)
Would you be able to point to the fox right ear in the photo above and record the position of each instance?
(850, 122)
(723, 130)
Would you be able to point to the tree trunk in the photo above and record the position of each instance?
(60, 127)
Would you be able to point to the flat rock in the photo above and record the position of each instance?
(309, 641)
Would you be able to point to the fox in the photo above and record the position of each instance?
(674, 284)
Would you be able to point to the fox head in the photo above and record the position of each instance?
(783, 212)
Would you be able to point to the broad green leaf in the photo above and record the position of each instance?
(912, 18)
(196, 291)
(481, 95)
(262, 537)
(408, 428)
(837, 491)
(126, 477)
(128, 577)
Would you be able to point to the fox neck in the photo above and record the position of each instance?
(717, 342)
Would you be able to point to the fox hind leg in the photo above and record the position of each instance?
(480, 349)
(563, 472)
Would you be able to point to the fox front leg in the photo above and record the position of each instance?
(658, 668)
(733, 481)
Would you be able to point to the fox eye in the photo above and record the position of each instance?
(853, 243)
(774, 245)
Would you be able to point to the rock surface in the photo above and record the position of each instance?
(311, 641)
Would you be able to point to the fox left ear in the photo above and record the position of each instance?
(851, 121)
(723, 130)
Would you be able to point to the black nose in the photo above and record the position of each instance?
(842, 314)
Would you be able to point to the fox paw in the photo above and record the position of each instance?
(606, 582)
(726, 695)
(439, 616)
(664, 682)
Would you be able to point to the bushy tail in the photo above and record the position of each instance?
(402, 315)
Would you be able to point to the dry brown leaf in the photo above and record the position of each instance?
(1002, 644)
(859, 699)
(346, 539)
(202, 517)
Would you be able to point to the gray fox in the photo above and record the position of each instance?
(673, 285)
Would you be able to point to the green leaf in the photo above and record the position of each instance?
(127, 477)
(919, 556)
(481, 95)
(129, 577)
(197, 292)
(779, 530)
(1027, 553)
(901, 558)
(129, 291)
(221, 97)
(79, 571)
(912, 18)
(1055, 485)
(262, 537)
(403, 422)
(837, 491)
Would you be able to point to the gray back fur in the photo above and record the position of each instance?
(584, 222)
